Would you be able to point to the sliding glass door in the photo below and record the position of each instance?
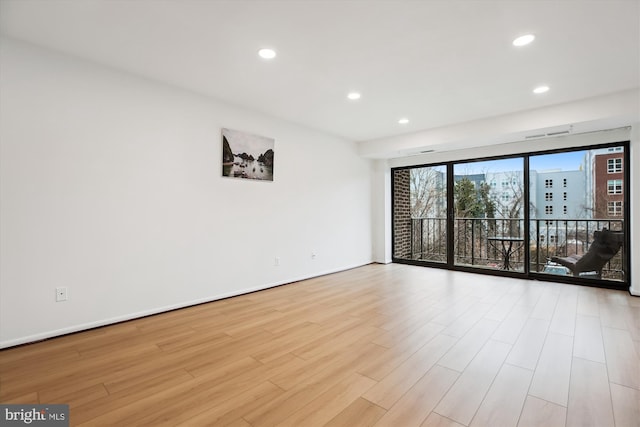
(577, 215)
(557, 215)
(488, 206)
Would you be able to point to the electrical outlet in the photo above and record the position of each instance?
(313, 255)
(276, 261)
(61, 294)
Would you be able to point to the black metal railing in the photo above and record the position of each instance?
(475, 244)
(486, 242)
(429, 239)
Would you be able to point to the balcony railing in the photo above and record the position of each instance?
(483, 242)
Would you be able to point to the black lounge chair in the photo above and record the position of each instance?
(605, 246)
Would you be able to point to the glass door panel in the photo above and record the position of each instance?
(420, 221)
(576, 213)
(488, 210)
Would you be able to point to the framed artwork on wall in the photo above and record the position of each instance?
(247, 156)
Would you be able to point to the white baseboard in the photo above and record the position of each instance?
(110, 321)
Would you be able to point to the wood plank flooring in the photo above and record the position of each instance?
(380, 345)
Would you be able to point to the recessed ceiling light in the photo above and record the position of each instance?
(403, 121)
(267, 53)
(541, 89)
(353, 96)
(524, 40)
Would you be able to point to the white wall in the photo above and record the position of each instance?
(635, 210)
(111, 186)
(592, 114)
(381, 206)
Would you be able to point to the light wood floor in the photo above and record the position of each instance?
(383, 345)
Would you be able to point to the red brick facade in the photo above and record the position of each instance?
(608, 200)
(401, 214)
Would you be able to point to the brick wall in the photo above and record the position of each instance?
(602, 177)
(401, 214)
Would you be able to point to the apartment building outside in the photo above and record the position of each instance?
(608, 179)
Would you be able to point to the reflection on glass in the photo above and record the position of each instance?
(577, 214)
(489, 214)
(420, 206)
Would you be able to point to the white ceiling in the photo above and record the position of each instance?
(435, 62)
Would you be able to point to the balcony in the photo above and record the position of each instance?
(500, 243)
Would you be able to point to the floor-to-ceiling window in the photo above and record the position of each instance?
(558, 215)
(488, 208)
(420, 214)
(577, 215)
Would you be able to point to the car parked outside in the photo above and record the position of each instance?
(553, 268)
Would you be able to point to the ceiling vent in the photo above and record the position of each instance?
(562, 132)
(549, 134)
(414, 153)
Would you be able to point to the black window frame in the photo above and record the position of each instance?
(449, 265)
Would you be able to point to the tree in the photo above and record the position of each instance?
(427, 193)
(511, 205)
(468, 201)
(488, 203)
(510, 208)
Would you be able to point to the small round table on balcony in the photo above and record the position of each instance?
(507, 248)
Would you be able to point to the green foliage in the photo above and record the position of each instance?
(472, 202)
(487, 201)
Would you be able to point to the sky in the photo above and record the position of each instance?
(241, 142)
(563, 161)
